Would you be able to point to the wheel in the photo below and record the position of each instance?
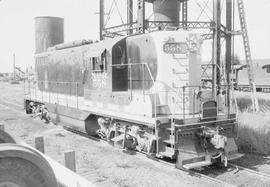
(21, 166)
(91, 125)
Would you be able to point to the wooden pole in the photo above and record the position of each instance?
(101, 19)
(70, 161)
(216, 48)
(228, 55)
(39, 143)
(130, 15)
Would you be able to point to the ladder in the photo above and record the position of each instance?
(250, 71)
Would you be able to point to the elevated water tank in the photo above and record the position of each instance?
(49, 31)
(167, 10)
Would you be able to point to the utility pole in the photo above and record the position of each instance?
(228, 55)
(216, 48)
(130, 16)
(101, 19)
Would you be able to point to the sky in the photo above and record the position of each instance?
(82, 22)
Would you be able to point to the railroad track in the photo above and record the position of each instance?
(209, 173)
(267, 176)
(164, 163)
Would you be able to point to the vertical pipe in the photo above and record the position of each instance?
(216, 47)
(228, 54)
(101, 19)
(130, 15)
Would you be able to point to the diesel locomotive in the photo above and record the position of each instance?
(142, 92)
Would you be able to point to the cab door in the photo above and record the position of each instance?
(119, 67)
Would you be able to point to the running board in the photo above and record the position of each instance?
(235, 156)
(197, 164)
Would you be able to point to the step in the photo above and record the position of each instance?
(162, 109)
(171, 142)
(169, 129)
(197, 164)
(175, 72)
(168, 154)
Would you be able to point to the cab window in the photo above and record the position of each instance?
(99, 64)
(119, 67)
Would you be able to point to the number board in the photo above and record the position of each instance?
(175, 48)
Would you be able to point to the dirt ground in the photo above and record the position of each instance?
(97, 161)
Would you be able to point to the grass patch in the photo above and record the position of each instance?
(254, 132)
(254, 128)
(244, 101)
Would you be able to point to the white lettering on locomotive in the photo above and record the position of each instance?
(99, 79)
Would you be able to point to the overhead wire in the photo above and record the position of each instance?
(115, 1)
(199, 5)
(202, 11)
(209, 9)
(109, 14)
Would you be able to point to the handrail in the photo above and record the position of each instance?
(133, 64)
(60, 82)
(72, 91)
(176, 90)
